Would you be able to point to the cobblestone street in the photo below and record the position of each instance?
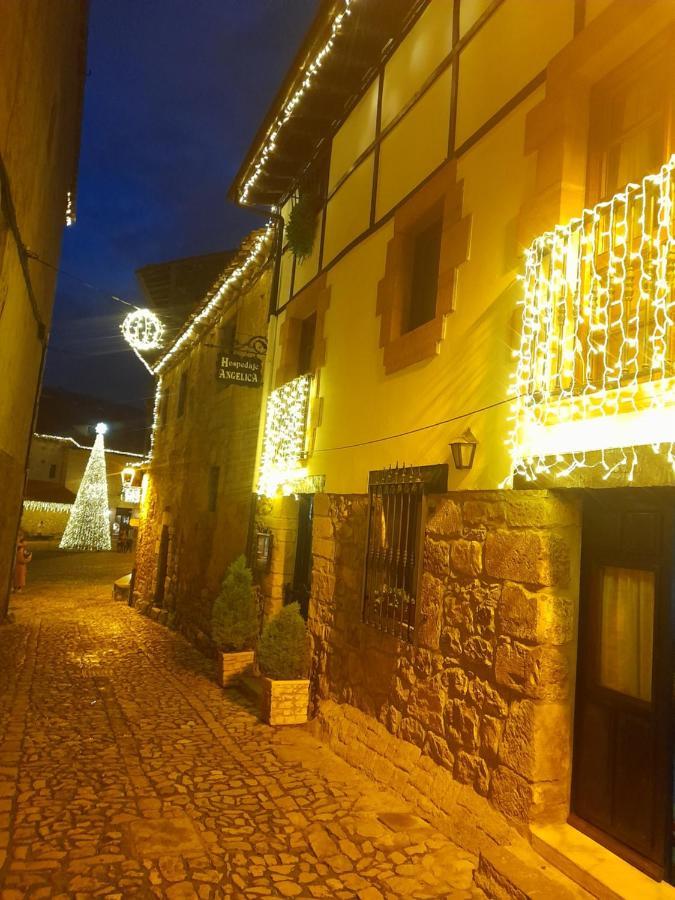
(125, 771)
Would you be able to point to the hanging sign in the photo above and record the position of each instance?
(246, 371)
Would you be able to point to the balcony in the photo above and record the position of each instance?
(595, 373)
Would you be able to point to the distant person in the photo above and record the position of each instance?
(23, 557)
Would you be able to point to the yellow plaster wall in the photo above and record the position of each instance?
(422, 50)
(285, 277)
(469, 13)
(361, 404)
(514, 45)
(348, 212)
(416, 146)
(354, 136)
(595, 7)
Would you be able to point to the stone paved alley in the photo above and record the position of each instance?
(125, 771)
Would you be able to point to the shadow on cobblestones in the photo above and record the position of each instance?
(126, 772)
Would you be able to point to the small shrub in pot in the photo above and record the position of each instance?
(234, 622)
(283, 657)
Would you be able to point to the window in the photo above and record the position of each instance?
(163, 409)
(627, 631)
(306, 349)
(52, 470)
(394, 528)
(214, 478)
(182, 395)
(228, 333)
(630, 110)
(425, 257)
(430, 241)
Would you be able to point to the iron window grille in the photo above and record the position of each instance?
(393, 547)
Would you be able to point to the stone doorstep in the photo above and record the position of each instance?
(518, 873)
(593, 867)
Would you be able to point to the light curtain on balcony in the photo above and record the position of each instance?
(598, 330)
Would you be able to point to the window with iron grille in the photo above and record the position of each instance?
(395, 521)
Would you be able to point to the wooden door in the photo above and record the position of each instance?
(162, 561)
(301, 585)
(621, 767)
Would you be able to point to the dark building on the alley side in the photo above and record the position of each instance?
(196, 494)
(42, 66)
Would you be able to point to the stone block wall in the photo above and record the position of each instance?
(485, 689)
(218, 427)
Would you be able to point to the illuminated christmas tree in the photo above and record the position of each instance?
(88, 527)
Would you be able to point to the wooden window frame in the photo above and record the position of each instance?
(649, 62)
(440, 197)
(314, 299)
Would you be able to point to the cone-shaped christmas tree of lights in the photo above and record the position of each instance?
(88, 527)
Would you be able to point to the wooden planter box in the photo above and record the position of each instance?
(284, 702)
(231, 666)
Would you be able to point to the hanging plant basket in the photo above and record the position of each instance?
(301, 226)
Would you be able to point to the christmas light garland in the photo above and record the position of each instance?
(69, 440)
(70, 209)
(296, 97)
(595, 370)
(259, 249)
(88, 525)
(284, 438)
(46, 506)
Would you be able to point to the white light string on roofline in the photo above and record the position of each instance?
(296, 97)
(69, 440)
(46, 506)
(257, 253)
(596, 366)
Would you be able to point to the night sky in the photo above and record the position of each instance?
(175, 92)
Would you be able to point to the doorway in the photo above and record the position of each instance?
(300, 588)
(162, 562)
(622, 766)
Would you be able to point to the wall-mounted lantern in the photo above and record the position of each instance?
(263, 550)
(464, 449)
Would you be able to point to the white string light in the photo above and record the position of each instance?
(257, 254)
(88, 525)
(46, 506)
(69, 440)
(143, 330)
(296, 97)
(70, 209)
(594, 370)
(284, 438)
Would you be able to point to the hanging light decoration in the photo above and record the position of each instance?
(284, 438)
(143, 330)
(595, 371)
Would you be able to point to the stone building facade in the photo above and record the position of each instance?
(39, 138)
(486, 687)
(197, 490)
(492, 263)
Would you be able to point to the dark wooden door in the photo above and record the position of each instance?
(301, 585)
(162, 562)
(621, 777)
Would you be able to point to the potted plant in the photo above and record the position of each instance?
(283, 657)
(234, 623)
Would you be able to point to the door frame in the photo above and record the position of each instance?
(662, 670)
